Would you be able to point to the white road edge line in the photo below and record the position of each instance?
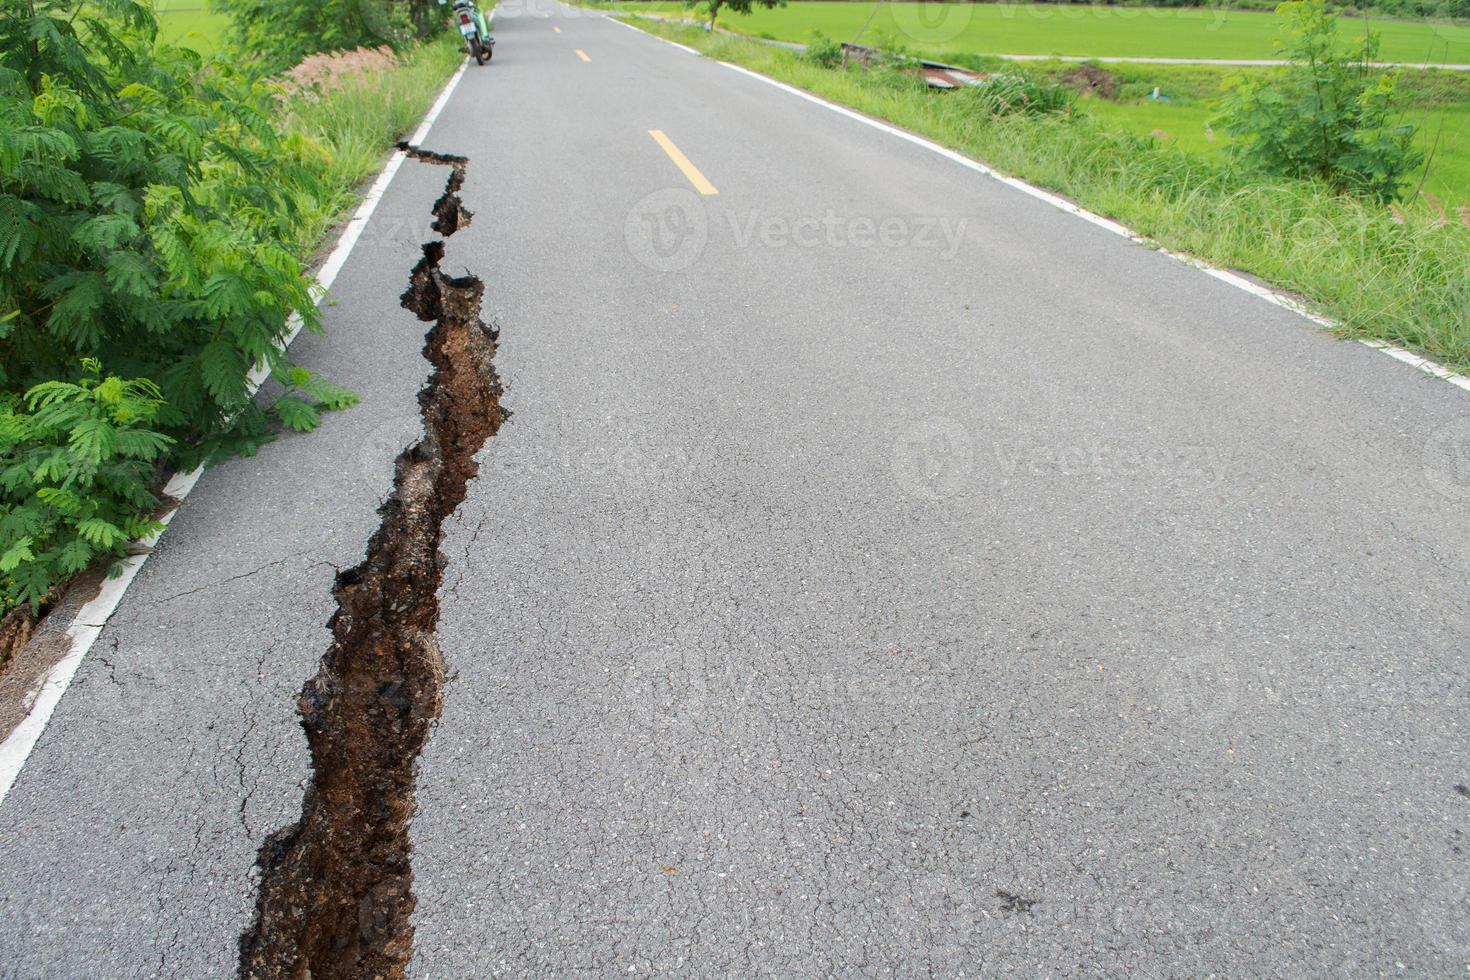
(682, 47)
(93, 616)
(1123, 231)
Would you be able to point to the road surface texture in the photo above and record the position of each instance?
(881, 573)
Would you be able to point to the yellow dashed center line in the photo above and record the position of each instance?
(689, 170)
(583, 55)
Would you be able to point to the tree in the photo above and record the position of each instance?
(148, 206)
(737, 6)
(279, 33)
(1329, 116)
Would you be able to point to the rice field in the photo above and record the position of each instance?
(1072, 30)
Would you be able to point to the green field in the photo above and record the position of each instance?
(1069, 30)
(191, 23)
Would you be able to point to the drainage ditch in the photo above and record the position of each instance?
(336, 894)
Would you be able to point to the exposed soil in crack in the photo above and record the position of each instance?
(336, 893)
(450, 214)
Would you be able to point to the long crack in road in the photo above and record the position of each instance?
(336, 893)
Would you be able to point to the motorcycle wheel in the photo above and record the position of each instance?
(478, 50)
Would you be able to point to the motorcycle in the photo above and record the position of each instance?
(473, 27)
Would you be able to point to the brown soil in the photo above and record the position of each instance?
(23, 674)
(33, 645)
(1091, 80)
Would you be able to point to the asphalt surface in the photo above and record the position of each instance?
(882, 573)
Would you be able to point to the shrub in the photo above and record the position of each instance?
(145, 207)
(1329, 116)
(151, 218)
(76, 464)
(824, 51)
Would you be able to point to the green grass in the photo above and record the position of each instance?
(1402, 277)
(1186, 125)
(1201, 82)
(350, 128)
(191, 23)
(1071, 30)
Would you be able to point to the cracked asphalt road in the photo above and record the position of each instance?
(882, 573)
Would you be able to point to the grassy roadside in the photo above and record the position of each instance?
(1443, 135)
(1397, 275)
(1437, 104)
(344, 131)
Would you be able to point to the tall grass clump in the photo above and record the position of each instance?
(1010, 94)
